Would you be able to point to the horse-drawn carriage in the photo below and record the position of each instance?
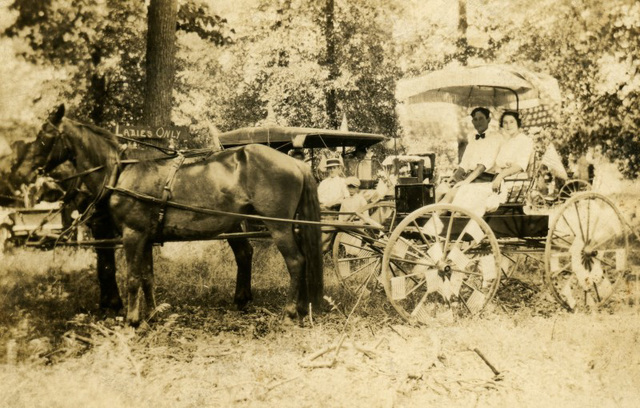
(433, 258)
(430, 258)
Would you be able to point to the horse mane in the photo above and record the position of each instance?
(103, 133)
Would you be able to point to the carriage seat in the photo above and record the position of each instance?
(519, 185)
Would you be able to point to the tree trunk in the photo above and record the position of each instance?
(462, 18)
(462, 43)
(331, 97)
(161, 37)
(462, 57)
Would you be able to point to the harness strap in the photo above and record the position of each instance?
(81, 174)
(166, 195)
(211, 211)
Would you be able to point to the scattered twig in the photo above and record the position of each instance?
(553, 328)
(84, 339)
(267, 311)
(435, 381)
(369, 353)
(479, 353)
(322, 364)
(279, 383)
(397, 332)
(321, 352)
(379, 343)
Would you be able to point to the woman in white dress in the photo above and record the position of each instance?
(515, 152)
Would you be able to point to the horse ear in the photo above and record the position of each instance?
(57, 116)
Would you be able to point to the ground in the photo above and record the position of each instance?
(523, 351)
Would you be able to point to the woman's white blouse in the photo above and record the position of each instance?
(515, 150)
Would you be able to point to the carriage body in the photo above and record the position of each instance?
(38, 226)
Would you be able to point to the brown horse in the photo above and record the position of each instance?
(177, 199)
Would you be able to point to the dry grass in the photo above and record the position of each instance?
(200, 352)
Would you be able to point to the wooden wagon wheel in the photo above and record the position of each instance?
(510, 263)
(538, 202)
(586, 251)
(357, 255)
(441, 261)
(572, 187)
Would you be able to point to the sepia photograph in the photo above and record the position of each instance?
(319, 203)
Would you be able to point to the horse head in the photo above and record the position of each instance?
(49, 150)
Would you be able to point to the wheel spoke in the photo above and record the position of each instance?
(575, 205)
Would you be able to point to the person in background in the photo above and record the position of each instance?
(355, 202)
(297, 154)
(333, 189)
(354, 160)
(478, 157)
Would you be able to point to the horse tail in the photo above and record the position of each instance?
(310, 240)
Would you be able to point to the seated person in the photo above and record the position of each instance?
(479, 155)
(333, 189)
(513, 157)
(354, 202)
(515, 152)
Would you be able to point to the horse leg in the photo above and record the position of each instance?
(284, 239)
(148, 280)
(110, 299)
(243, 252)
(137, 251)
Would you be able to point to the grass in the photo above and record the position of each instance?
(54, 351)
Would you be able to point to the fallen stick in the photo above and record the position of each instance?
(369, 353)
(321, 352)
(397, 332)
(379, 343)
(327, 364)
(279, 383)
(478, 352)
(84, 339)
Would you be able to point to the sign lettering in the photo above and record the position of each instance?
(149, 132)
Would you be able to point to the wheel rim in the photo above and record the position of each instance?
(572, 187)
(441, 261)
(357, 254)
(586, 252)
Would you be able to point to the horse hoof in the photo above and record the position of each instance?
(133, 323)
(241, 305)
(114, 305)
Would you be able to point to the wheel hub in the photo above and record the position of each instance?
(588, 256)
(444, 270)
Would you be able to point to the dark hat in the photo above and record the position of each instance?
(333, 163)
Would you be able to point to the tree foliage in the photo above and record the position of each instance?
(272, 64)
